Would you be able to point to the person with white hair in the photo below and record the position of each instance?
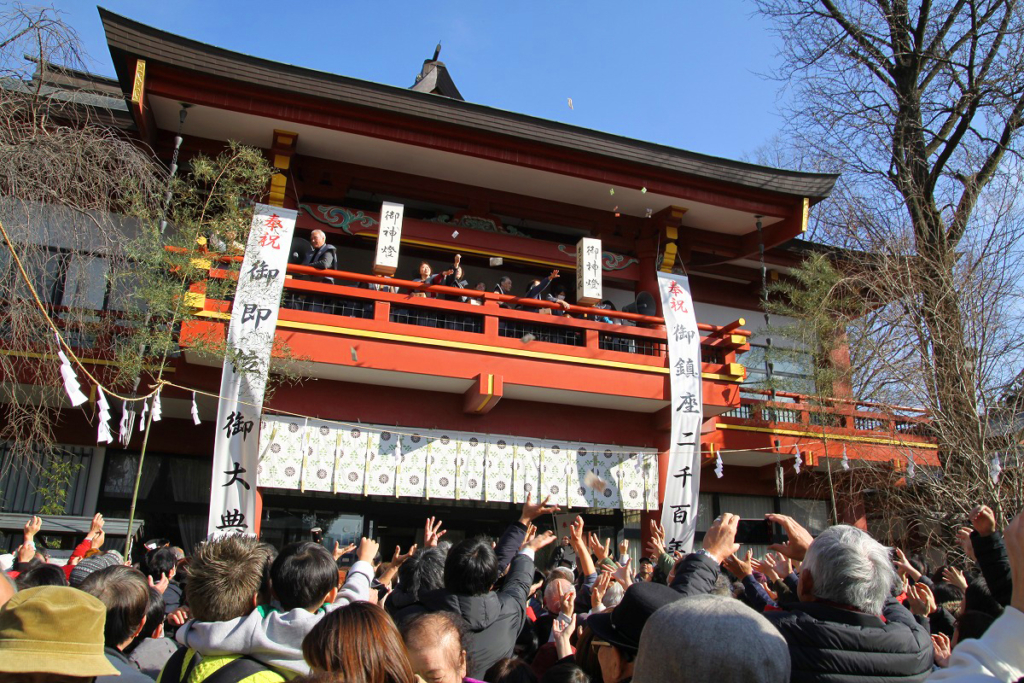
(846, 625)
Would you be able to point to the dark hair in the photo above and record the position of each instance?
(586, 657)
(423, 572)
(471, 567)
(158, 563)
(510, 670)
(265, 593)
(972, 624)
(360, 642)
(303, 574)
(42, 575)
(125, 593)
(947, 592)
(565, 672)
(646, 560)
(527, 643)
(154, 618)
(979, 598)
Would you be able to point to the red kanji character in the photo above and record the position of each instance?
(274, 223)
(674, 289)
(679, 305)
(273, 241)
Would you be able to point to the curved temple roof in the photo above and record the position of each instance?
(126, 37)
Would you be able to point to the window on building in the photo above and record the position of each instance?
(20, 481)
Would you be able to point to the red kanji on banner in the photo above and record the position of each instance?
(274, 223)
(273, 241)
(679, 305)
(674, 289)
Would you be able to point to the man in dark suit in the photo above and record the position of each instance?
(323, 256)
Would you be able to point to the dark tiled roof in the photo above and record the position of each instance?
(130, 38)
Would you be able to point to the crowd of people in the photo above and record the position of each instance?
(835, 608)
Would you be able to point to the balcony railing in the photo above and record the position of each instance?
(362, 299)
(797, 409)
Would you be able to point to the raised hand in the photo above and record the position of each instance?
(398, 559)
(599, 549)
(720, 539)
(160, 585)
(943, 650)
(97, 541)
(783, 566)
(963, 537)
(904, 567)
(656, 545)
(554, 274)
(432, 533)
(95, 526)
(624, 547)
(181, 615)
(367, 550)
(604, 579)
(766, 567)
(622, 573)
(984, 520)
(532, 512)
(740, 568)
(541, 540)
(800, 539)
(32, 527)
(339, 551)
(563, 631)
(922, 602)
(955, 577)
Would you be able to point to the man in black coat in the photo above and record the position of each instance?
(322, 257)
(493, 618)
(847, 626)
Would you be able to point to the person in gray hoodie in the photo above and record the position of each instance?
(304, 579)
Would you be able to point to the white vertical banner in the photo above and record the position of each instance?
(679, 510)
(246, 364)
(588, 271)
(389, 238)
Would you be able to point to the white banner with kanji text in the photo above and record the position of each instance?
(679, 510)
(246, 364)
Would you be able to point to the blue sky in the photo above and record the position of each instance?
(680, 73)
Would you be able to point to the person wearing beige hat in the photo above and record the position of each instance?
(52, 634)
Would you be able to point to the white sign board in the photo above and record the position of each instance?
(246, 364)
(679, 510)
(389, 239)
(588, 272)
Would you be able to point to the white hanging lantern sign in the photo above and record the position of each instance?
(389, 239)
(588, 272)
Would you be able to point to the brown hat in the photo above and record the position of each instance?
(54, 630)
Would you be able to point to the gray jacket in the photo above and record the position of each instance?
(270, 636)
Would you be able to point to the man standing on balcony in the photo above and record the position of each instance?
(504, 286)
(322, 257)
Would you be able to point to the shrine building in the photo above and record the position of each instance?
(476, 396)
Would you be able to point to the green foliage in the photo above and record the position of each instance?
(54, 481)
(212, 203)
(818, 307)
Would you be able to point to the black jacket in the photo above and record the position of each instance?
(493, 620)
(830, 644)
(994, 564)
(324, 258)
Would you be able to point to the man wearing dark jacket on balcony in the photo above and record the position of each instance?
(493, 618)
(323, 256)
(846, 627)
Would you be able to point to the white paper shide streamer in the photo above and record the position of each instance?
(719, 465)
(798, 461)
(195, 410)
(996, 468)
(158, 411)
(142, 416)
(71, 385)
(103, 434)
(911, 466)
(846, 460)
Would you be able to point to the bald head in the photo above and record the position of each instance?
(434, 643)
(554, 592)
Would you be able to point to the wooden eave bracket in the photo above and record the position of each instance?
(483, 395)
